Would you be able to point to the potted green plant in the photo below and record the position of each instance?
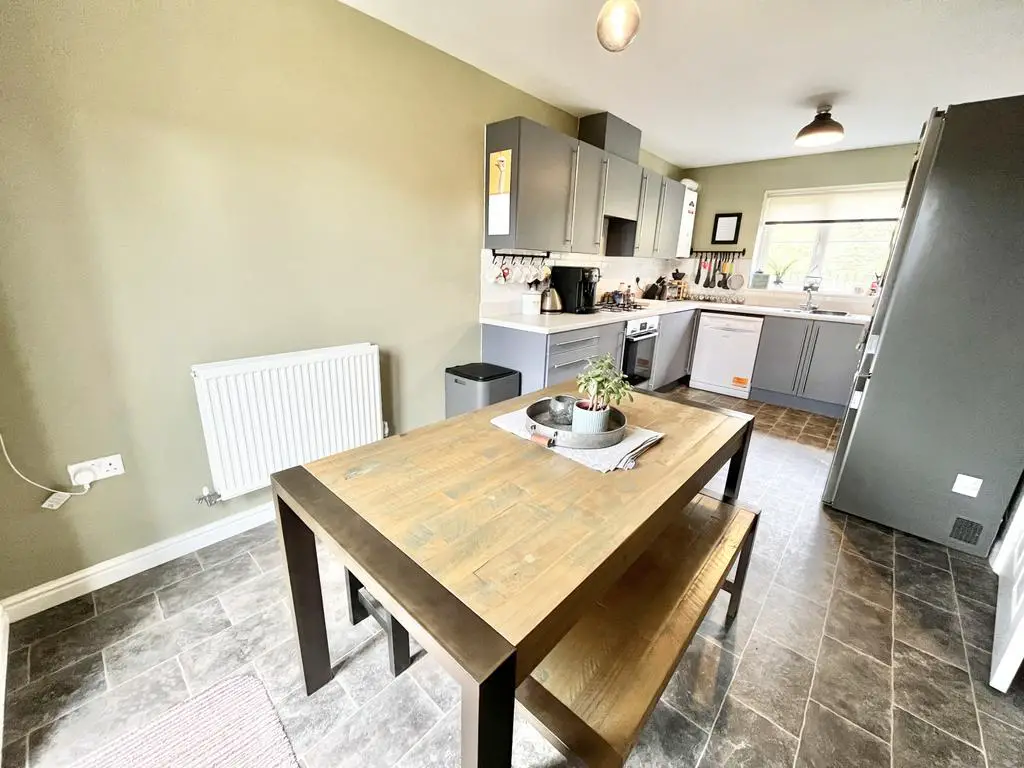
(601, 384)
(780, 270)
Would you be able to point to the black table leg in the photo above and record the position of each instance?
(361, 606)
(488, 709)
(307, 597)
(734, 478)
(356, 610)
(736, 587)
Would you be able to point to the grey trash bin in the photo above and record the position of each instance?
(474, 385)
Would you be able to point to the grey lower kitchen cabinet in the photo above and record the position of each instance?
(780, 354)
(672, 350)
(807, 364)
(544, 360)
(832, 362)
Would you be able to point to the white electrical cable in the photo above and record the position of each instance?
(30, 482)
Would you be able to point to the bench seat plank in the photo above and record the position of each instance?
(595, 690)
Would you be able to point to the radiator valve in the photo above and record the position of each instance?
(209, 498)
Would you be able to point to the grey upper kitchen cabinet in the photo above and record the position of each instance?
(832, 357)
(672, 352)
(650, 209)
(588, 199)
(780, 354)
(622, 198)
(666, 239)
(531, 174)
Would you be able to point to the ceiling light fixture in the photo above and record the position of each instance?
(821, 131)
(617, 24)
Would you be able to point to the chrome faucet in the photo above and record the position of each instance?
(812, 283)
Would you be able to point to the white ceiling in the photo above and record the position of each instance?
(721, 81)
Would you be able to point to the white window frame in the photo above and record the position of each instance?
(763, 238)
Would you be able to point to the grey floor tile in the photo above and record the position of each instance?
(146, 582)
(381, 732)
(860, 624)
(760, 573)
(924, 551)
(17, 669)
(934, 691)
(163, 641)
(854, 685)
(772, 537)
(209, 661)
(254, 595)
(979, 622)
(107, 717)
(269, 555)
(51, 621)
(438, 684)
(700, 682)
(793, 621)
(46, 699)
(92, 636)
(15, 755)
(668, 740)
(733, 635)
(975, 580)
(366, 671)
(924, 582)
(774, 681)
(829, 741)
(865, 578)
(1008, 706)
(1003, 745)
(207, 584)
(820, 535)
(868, 541)
(743, 738)
(929, 629)
(306, 719)
(807, 574)
(231, 548)
(917, 744)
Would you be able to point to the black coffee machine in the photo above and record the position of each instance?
(577, 287)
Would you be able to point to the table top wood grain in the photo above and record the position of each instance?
(527, 539)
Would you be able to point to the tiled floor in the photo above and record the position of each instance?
(854, 646)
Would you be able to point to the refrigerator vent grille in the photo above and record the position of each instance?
(966, 531)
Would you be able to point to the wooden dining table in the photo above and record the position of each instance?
(488, 548)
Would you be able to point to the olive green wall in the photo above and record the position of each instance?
(189, 182)
(740, 187)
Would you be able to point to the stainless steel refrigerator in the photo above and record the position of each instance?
(932, 442)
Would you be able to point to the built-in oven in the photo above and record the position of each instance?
(638, 357)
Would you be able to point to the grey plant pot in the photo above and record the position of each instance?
(588, 422)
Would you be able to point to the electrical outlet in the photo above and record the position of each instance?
(100, 469)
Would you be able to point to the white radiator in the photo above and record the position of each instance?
(264, 414)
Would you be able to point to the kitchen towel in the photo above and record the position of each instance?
(620, 456)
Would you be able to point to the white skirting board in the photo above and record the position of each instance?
(38, 599)
(5, 638)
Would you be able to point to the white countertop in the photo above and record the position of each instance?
(565, 322)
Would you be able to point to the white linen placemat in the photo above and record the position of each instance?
(620, 456)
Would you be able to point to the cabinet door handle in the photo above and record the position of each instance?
(572, 362)
(640, 213)
(602, 201)
(800, 360)
(661, 211)
(810, 358)
(570, 219)
(576, 341)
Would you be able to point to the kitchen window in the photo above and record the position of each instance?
(841, 234)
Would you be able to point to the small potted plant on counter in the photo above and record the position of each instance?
(601, 384)
(780, 270)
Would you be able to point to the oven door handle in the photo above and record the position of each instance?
(641, 337)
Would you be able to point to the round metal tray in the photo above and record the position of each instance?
(540, 422)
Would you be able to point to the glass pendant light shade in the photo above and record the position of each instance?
(617, 24)
(821, 131)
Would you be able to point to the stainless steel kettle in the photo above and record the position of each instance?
(550, 301)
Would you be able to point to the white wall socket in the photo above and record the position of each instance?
(108, 466)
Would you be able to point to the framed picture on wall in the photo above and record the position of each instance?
(727, 229)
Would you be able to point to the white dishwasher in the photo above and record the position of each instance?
(723, 360)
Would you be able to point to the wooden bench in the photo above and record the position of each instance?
(596, 689)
